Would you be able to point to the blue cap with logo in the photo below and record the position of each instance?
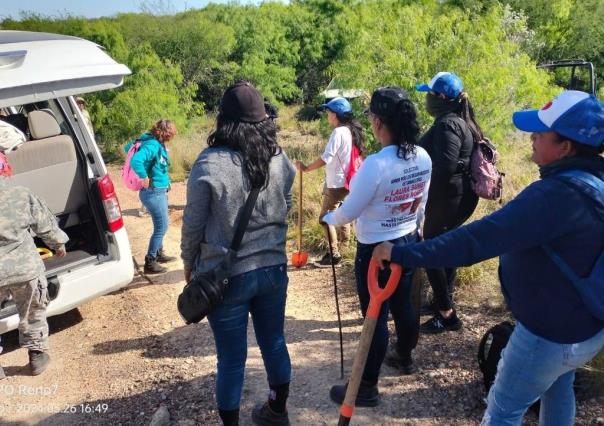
(576, 115)
(445, 83)
(338, 105)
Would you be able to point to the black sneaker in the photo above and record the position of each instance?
(402, 363)
(38, 361)
(162, 257)
(152, 266)
(368, 395)
(264, 416)
(326, 260)
(439, 324)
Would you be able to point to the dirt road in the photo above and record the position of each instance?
(120, 357)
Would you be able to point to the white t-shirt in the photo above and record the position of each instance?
(337, 157)
(387, 197)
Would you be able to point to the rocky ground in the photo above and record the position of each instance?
(125, 357)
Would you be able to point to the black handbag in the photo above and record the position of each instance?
(205, 290)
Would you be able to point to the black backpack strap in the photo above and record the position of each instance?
(248, 208)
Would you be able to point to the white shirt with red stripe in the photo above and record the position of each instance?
(337, 157)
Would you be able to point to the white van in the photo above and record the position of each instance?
(61, 163)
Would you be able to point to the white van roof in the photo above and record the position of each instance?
(40, 66)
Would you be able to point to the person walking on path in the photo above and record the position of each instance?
(151, 163)
(387, 199)
(557, 328)
(242, 154)
(449, 142)
(336, 159)
(22, 272)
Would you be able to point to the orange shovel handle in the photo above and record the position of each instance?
(379, 295)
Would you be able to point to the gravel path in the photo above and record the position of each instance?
(119, 358)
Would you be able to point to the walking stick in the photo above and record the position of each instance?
(377, 297)
(335, 291)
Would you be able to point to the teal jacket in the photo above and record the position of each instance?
(151, 161)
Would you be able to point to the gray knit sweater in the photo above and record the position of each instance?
(216, 193)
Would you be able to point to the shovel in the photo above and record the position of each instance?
(300, 258)
(377, 297)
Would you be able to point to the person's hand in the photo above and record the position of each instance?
(382, 253)
(187, 275)
(145, 182)
(300, 166)
(60, 252)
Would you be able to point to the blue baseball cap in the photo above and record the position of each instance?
(445, 83)
(576, 115)
(338, 105)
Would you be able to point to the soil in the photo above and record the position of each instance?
(118, 359)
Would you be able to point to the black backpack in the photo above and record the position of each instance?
(489, 350)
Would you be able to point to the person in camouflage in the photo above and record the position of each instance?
(22, 273)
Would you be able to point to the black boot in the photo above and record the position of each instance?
(162, 257)
(439, 324)
(273, 412)
(229, 417)
(403, 363)
(263, 415)
(368, 395)
(152, 266)
(38, 361)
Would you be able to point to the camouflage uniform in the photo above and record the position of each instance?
(22, 273)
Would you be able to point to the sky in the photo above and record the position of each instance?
(97, 8)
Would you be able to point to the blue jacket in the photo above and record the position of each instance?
(547, 211)
(151, 161)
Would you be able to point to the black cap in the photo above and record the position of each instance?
(384, 100)
(243, 102)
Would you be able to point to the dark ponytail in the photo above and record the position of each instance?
(404, 128)
(467, 113)
(356, 129)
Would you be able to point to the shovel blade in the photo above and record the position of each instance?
(299, 259)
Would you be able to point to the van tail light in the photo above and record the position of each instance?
(110, 203)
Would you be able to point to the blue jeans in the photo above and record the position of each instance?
(405, 321)
(262, 294)
(156, 201)
(531, 368)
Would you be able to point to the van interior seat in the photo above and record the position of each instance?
(48, 165)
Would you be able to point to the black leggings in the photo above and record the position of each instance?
(440, 218)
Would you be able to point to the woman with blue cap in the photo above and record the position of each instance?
(550, 240)
(347, 132)
(450, 142)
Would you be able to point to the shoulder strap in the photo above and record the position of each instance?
(587, 184)
(561, 264)
(248, 208)
(591, 187)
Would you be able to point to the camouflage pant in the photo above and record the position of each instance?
(31, 299)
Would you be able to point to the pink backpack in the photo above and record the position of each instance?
(487, 181)
(356, 160)
(129, 177)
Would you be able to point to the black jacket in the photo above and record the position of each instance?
(449, 143)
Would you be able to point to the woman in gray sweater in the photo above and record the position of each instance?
(243, 153)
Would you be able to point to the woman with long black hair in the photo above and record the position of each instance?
(449, 142)
(387, 199)
(243, 154)
(347, 132)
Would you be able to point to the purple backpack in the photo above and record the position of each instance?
(487, 181)
(129, 177)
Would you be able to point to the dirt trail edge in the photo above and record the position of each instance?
(119, 358)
